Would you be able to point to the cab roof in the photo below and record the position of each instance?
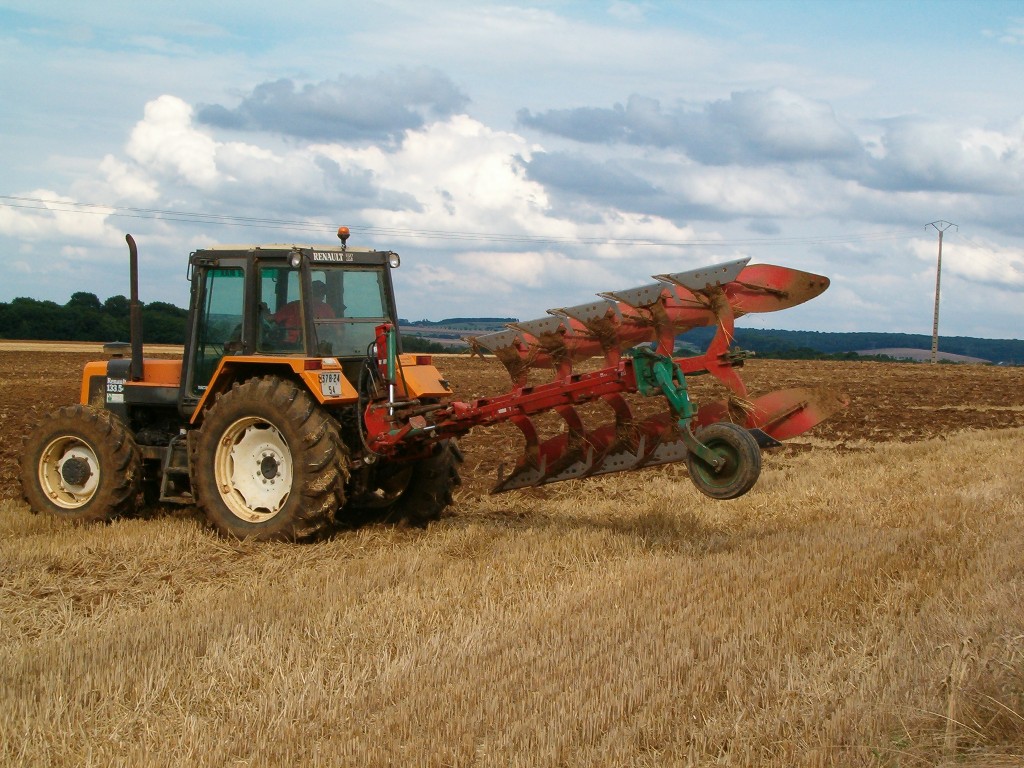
(316, 254)
(285, 247)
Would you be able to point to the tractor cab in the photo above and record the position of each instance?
(284, 301)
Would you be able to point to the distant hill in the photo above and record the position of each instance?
(774, 343)
(447, 334)
(460, 321)
(921, 355)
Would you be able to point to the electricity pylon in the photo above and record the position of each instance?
(941, 226)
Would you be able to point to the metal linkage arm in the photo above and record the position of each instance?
(660, 374)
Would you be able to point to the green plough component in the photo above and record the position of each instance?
(660, 374)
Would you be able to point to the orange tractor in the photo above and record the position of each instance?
(293, 406)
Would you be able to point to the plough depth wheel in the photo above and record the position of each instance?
(742, 461)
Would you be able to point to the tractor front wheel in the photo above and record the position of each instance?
(742, 461)
(81, 463)
(268, 462)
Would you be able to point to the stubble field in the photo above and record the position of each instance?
(861, 606)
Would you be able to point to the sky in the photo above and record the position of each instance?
(526, 155)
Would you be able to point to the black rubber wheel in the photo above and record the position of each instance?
(742, 461)
(431, 486)
(269, 463)
(417, 493)
(81, 463)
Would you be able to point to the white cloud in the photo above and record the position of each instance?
(631, 13)
(1012, 35)
(785, 125)
(463, 175)
(751, 127)
(511, 269)
(166, 141)
(937, 155)
(996, 266)
(739, 191)
(127, 182)
(48, 215)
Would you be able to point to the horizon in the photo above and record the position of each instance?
(470, 318)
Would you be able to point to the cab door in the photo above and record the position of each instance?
(218, 323)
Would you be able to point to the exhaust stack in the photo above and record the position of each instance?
(135, 310)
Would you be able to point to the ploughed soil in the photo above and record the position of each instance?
(888, 401)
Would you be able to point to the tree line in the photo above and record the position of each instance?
(85, 318)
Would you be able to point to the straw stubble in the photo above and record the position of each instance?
(819, 620)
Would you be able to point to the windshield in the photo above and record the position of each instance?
(348, 305)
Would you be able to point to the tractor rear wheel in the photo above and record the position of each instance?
(415, 494)
(742, 461)
(431, 486)
(269, 462)
(81, 463)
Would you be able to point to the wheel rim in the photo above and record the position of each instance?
(727, 475)
(253, 469)
(69, 472)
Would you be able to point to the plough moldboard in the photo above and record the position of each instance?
(720, 441)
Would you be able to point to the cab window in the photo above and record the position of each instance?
(353, 305)
(220, 321)
(280, 328)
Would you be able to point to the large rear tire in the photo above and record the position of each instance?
(742, 461)
(431, 486)
(416, 494)
(269, 463)
(81, 463)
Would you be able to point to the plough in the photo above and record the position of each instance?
(720, 441)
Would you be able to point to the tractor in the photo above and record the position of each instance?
(293, 406)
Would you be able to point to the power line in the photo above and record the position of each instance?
(968, 240)
(63, 206)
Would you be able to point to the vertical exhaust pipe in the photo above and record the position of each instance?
(135, 310)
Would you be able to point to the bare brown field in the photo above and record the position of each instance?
(861, 606)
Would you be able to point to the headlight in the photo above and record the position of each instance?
(393, 260)
(295, 259)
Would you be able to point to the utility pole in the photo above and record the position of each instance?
(941, 226)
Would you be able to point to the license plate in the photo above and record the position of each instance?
(330, 384)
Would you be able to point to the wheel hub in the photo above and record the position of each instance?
(69, 472)
(75, 471)
(269, 467)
